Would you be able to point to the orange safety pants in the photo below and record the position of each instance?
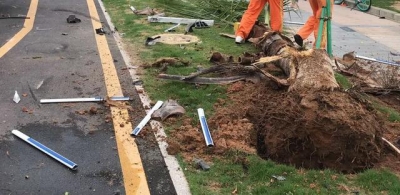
(253, 11)
(312, 23)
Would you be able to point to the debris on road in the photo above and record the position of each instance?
(16, 98)
(200, 163)
(146, 119)
(8, 16)
(64, 33)
(46, 150)
(73, 100)
(100, 31)
(73, 19)
(204, 127)
(151, 40)
(169, 108)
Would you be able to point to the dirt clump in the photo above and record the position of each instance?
(317, 129)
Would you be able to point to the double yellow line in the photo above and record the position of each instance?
(132, 168)
(28, 25)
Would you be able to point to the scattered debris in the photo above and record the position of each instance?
(178, 20)
(151, 41)
(394, 53)
(25, 109)
(146, 11)
(133, 9)
(169, 62)
(205, 80)
(100, 31)
(169, 108)
(204, 127)
(146, 119)
(72, 100)
(24, 95)
(378, 60)
(26, 176)
(73, 19)
(279, 178)
(16, 98)
(201, 164)
(198, 24)
(172, 29)
(137, 82)
(46, 150)
(93, 110)
(64, 33)
(13, 17)
(36, 57)
(44, 29)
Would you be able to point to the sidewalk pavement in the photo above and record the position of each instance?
(352, 30)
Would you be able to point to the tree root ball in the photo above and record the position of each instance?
(317, 129)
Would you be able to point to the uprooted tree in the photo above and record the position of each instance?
(315, 124)
(308, 121)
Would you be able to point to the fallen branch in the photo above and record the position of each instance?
(204, 80)
(282, 82)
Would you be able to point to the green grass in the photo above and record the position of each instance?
(392, 114)
(136, 29)
(379, 181)
(227, 174)
(343, 81)
(386, 4)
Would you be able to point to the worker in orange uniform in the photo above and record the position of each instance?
(253, 11)
(312, 24)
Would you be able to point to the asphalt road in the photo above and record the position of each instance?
(57, 59)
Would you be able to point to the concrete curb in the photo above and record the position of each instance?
(385, 14)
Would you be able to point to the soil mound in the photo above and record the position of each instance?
(317, 129)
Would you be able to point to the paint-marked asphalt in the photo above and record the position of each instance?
(28, 25)
(132, 168)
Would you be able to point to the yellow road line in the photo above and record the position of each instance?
(28, 25)
(132, 168)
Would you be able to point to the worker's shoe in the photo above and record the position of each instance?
(239, 40)
(298, 40)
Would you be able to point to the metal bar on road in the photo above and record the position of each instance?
(146, 119)
(46, 150)
(74, 100)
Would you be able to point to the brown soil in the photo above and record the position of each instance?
(318, 129)
(332, 129)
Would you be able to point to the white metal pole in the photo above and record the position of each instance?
(204, 127)
(146, 119)
(46, 150)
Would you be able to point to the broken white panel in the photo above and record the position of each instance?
(178, 20)
(16, 98)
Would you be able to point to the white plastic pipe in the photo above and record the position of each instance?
(377, 60)
(204, 127)
(74, 100)
(146, 119)
(46, 150)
